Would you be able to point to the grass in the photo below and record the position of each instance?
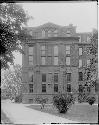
(79, 112)
(5, 119)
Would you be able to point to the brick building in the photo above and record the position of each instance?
(53, 61)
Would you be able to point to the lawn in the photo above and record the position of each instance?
(4, 118)
(82, 113)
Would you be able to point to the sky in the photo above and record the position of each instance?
(80, 14)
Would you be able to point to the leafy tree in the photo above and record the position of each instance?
(11, 80)
(12, 33)
(91, 69)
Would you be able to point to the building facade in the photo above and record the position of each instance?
(54, 61)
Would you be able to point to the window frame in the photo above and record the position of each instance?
(80, 77)
(43, 78)
(68, 64)
(31, 55)
(67, 51)
(30, 88)
(43, 33)
(56, 79)
(88, 62)
(80, 63)
(69, 87)
(68, 78)
(43, 60)
(55, 87)
(43, 85)
(49, 33)
(80, 51)
(31, 76)
(56, 60)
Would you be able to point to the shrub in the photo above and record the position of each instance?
(82, 97)
(91, 100)
(63, 102)
(18, 98)
(41, 101)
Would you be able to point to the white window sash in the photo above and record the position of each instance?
(80, 51)
(55, 60)
(67, 60)
(55, 50)
(80, 63)
(31, 50)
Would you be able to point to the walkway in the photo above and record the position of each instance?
(20, 114)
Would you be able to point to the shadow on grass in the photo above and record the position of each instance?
(5, 119)
(80, 113)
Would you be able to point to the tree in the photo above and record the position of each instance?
(12, 33)
(91, 69)
(11, 80)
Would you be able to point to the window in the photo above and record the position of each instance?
(31, 33)
(56, 77)
(68, 33)
(80, 51)
(49, 33)
(43, 33)
(30, 76)
(43, 50)
(68, 87)
(55, 60)
(43, 87)
(55, 55)
(55, 33)
(30, 100)
(43, 77)
(49, 60)
(67, 49)
(80, 63)
(88, 89)
(81, 88)
(30, 60)
(55, 50)
(30, 88)
(31, 55)
(31, 50)
(49, 77)
(43, 60)
(68, 77)
(55, 87)
(67, 60)
(88, 75)
(88, 38)
(80, 76)
(88, 62)
(79, 39)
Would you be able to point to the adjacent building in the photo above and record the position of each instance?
(54, 61)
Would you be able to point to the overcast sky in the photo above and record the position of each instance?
(81, 14)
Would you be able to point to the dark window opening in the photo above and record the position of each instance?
(55, 87)
(81, 88)
(31, 78)
(30, 100)
(43, 87)
(68, 87)
(68, 77)
(88, 89)
(43, 77)
(56, 77)
(80, 76)
(30, 88)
